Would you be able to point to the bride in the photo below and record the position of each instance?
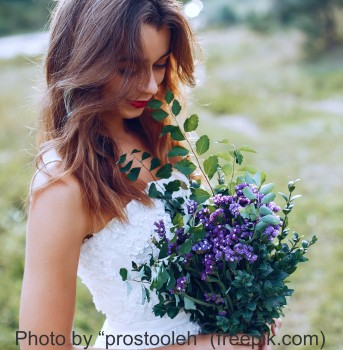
(106, 59)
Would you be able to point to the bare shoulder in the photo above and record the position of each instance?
(57, 205)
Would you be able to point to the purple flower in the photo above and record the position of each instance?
(222, 313)
(202, 247)
(181, 284)
(216, 298)
(160, 228)
(191, 207)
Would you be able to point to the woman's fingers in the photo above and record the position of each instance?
(276, 326)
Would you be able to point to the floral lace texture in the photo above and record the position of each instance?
(101, 258)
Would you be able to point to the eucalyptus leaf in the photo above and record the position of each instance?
(265, 189)
(202, 145)
(191, 123)
(189, 304)
(268, 198)
(271, 219)
(249, 193)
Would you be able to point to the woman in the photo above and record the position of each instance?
(106, 59)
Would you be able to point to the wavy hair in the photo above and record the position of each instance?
(87, 40)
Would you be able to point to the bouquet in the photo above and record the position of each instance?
(229, 252)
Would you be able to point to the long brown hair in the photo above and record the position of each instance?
(87, 40)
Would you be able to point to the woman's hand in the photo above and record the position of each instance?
(275, 329)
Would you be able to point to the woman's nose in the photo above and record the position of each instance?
(152, 87)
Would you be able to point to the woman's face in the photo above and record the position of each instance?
(156, 44)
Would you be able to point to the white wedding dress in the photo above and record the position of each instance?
(130, 324)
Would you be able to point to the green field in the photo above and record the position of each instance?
(258, 91)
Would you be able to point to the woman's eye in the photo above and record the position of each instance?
(161, 66)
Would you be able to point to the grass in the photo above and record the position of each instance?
(254, 90)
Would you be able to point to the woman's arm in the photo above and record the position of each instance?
(56, 226)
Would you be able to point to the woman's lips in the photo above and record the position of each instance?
(138, 104)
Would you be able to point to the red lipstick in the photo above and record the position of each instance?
(138, 104)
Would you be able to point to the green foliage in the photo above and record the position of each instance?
(315, 17)
(23, 16)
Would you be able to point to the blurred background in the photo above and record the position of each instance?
(272, 78)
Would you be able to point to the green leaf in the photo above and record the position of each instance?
(283, 196)
(246, 149)
(268, 198)
(165, 171)
(210, 166)
(265, 211)
(185, 166)
(265, 189)
(127, 167)
(169, 96)
(135, 151)
(227, 169)
(173, 186)
(155, 104)
(176, 108)
(248, 168)
(238, 156)
(178, 151)
(258, 179)
(133, 174)
(185, 247)
(153, 192)
(271, 219)
(122, 159)
(167, 128)
(249, 179)
(189, 304)
(224, 155)
(145, 155)
(261, 226)
(199, 195)
(249, 193)
(159, 115)
(123, 273)
(155, 163)
(191, 123)
(177, 134)
(223, 141)
(202, 145)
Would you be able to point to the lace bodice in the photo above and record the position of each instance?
(114, 247)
